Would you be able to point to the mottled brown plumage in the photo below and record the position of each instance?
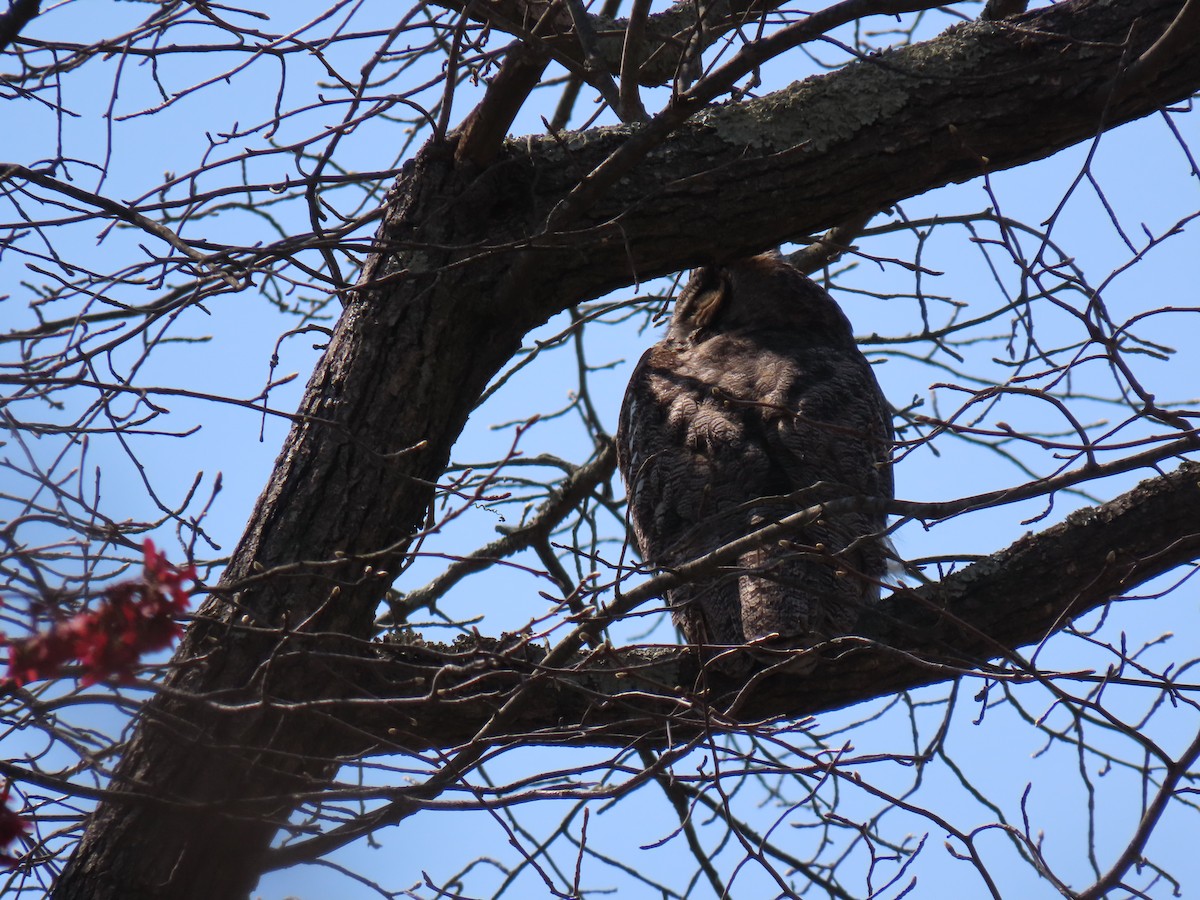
(757, 391)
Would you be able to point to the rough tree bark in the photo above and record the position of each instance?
(445, 303)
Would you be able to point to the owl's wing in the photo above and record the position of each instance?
(832, 426)
(688, 469)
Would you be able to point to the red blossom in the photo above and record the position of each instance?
(12, 827)
(133, 618)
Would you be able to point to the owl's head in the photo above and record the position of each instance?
(760, 293)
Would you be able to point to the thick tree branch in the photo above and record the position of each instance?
(484, 129)
(983, 97)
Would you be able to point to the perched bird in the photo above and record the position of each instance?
(756, 393)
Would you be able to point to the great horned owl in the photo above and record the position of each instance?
(757, 391)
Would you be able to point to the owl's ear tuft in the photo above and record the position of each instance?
(704, 296)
